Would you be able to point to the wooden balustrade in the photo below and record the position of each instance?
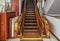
(18, 22)
(13, 27)
(47, 27)
(22, 18)
(38, 18)
(16, 25)
(42, 22)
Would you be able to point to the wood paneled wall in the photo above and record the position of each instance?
(10, 15)
(3, 26)
(15, 6)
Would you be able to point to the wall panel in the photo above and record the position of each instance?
(15, 6)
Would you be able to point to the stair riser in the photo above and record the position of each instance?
(30, 11)
(30, 28)
(31, 40)
(30, 16)
(31, 36)
(30, 7)
(30, 21)
(30, 25)
(31, 31)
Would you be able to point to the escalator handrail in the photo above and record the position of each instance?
(38, 18)
(22, 19)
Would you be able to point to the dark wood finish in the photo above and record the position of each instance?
(15, 28)
(38, 18)
(10, 15)
(22, 19)
(3, 26)
(10, 29)
(47, 27)
(30, 27)
(42, 23)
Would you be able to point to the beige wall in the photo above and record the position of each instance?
(54, 24)
(47, 5)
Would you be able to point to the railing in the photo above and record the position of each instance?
(38, 18)
(42, 22)
(46, 27)
(22, 19)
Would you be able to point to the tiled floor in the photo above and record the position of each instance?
(52, 38)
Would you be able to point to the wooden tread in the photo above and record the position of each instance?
(30, 15)
(30, 21)
(30, 11)
(30, 24)
(30, 18)
(30, 31)
(30, 35)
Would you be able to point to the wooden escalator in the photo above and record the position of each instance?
(31, 25)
